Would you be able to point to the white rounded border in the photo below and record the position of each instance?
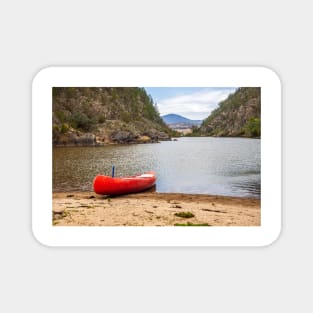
(49, 235)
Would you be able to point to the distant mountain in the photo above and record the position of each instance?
(171, 119)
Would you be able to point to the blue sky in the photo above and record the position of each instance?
(191, 102)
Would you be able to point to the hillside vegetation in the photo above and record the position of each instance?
(97, 116)
(238, 115)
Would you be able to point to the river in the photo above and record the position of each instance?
(202, 165)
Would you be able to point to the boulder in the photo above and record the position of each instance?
(123, 137)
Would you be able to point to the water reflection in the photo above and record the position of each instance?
(248, 189)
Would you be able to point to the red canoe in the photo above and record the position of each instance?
(106, 185)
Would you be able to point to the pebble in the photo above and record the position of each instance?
(59, 210)
(174, 202)
(57, 216)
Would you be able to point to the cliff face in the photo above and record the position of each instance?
(238, 115)
(97, 116)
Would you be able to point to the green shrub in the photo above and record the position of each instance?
(60, 116)
(192, 224)
(101, 119)
(81, 121)
(125, 116)
(64, 128)
(55, 132)
(184, 214)
(253, 127)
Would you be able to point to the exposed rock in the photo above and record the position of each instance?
(86, 140)
(123, 137)
(144, 139)
(163, 136)
(75, 138)
(57, 213)
(58, 210)
(57, 216)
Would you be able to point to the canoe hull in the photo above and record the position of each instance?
(106, 185)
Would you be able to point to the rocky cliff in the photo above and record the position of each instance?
(238, 115)
(97, 116)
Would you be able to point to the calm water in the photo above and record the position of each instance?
(221, 166)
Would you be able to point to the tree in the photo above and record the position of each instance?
(253, 127)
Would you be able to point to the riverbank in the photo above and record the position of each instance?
(153, 209)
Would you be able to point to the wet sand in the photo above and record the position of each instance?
(153, 209)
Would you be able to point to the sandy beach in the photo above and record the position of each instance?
(153, 209)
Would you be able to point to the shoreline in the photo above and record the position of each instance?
(114, 143)
(153, 209)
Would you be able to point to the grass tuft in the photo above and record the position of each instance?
(192, 224)
(184, 214)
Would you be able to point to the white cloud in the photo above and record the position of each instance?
(197, 105)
